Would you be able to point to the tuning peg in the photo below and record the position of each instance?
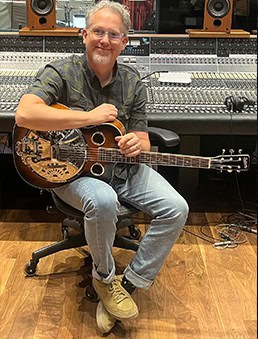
(223, 151)
(240, 151)
(231, 151)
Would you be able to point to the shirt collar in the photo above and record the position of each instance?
(92, 76)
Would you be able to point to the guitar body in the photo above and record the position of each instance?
(54, 158)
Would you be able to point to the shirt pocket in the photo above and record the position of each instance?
(77, 101)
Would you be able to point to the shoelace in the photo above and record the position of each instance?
(117, 291)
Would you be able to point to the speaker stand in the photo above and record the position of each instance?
(61, 31)
(234, 33)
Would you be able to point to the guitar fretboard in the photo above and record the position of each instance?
(154, 158)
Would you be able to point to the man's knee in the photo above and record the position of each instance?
(177, 213)
(102, 201)
(182, 211)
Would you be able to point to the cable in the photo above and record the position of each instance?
(152, 73)
(248, 229)
(250, 215)
(241, 218)
(198, 236)
(206, 235)
(236, 104)
(218, 245)
(230, 234)
(224, 244)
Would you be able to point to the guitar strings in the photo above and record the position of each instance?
(114, 155)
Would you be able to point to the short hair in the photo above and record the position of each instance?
(115, 7)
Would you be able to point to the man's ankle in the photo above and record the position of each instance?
(127, 285)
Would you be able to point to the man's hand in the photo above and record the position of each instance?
(129, 144)
(104, 113)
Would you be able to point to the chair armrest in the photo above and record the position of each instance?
(167, 137)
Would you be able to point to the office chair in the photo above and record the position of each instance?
(74, 219)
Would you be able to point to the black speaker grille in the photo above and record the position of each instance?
(42, 7)
(218, 8)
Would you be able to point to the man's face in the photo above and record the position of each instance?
(103, 49)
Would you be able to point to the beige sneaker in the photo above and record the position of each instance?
(105, 321)
(116, 300)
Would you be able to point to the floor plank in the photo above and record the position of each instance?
(201, 292)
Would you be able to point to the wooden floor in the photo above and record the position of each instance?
(201, 292)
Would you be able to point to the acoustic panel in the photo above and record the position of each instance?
(5, 15)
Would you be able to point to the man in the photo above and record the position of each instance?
(100, 90)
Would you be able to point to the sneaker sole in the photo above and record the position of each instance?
(119, 317)
(99, 312)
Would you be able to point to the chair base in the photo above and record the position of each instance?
(75, 241)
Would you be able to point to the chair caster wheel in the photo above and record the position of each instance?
(91, 294)
(134, 231)
(65, 232)
(30, 268)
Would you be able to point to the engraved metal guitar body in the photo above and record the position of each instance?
(54, 158)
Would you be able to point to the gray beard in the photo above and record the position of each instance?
(101, 59)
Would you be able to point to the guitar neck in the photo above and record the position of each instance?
(154, 158)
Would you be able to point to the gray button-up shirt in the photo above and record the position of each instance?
(71, 82)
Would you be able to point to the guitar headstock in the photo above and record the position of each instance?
(231, 162)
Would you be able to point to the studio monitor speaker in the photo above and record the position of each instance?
(218, 15)
(41, 14)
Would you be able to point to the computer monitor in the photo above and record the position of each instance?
(79, 20)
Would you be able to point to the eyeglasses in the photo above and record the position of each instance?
(112, 36)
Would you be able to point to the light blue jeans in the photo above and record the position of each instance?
(148, 191)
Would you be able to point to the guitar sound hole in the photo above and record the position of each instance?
(97, 169)
(98, 138)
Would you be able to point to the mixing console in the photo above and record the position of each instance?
(234, 63)
(13, 83)
(211, 79)
(207, 89)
